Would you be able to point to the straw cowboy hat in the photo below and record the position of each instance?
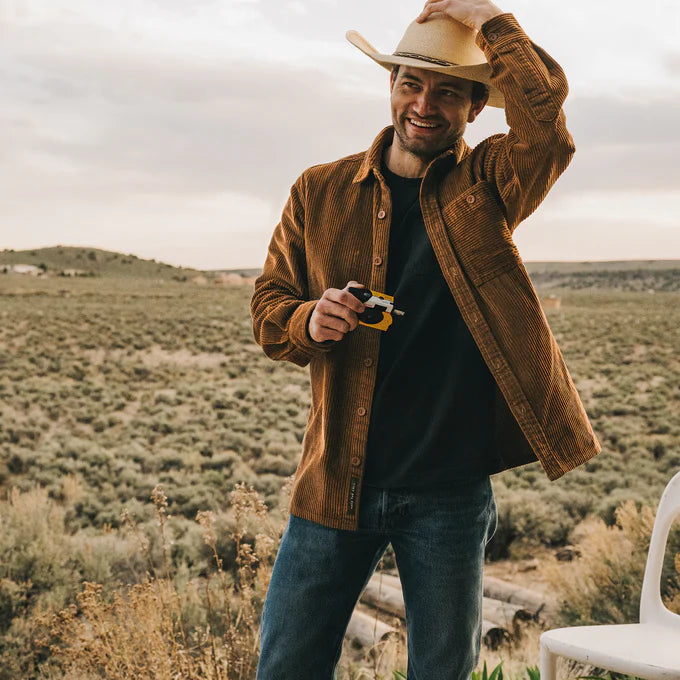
(439, 44)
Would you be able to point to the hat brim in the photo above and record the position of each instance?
(478, 72)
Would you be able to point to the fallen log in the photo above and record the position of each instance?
(496, 610)
(387, 598)
(368, 631)
(531, 600)
(386, 579)
(505, 613)
(498, 617)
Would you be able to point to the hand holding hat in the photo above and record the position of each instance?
(472, 13)
(442, 39)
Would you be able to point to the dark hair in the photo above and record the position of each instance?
(479, 90)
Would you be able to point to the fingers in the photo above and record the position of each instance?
(335, 314)
(331, 321)
(429, 8)
(472, 13)
(346, 298)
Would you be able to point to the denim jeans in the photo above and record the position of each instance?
(438, 537)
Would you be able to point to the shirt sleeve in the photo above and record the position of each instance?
(280, 307)
(525, 162)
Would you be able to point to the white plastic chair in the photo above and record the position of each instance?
(649, 649)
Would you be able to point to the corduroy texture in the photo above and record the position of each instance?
(335, 228)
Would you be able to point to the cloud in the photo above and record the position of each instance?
(647, 117)
(671, 62)
(544, 237)
(123, 108)
(183, 126)
(624, 143)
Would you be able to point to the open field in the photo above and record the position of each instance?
(111, 385)
(126, 383)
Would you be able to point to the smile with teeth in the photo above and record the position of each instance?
(422, 124)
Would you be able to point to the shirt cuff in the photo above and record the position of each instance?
(499, 31)
(299, 333)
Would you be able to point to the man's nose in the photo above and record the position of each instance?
(424, 104)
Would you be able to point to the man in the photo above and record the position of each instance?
(406, 425)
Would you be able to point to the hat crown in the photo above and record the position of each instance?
(439, 44)
(441, 38)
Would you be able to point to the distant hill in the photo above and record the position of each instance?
(93, 262)
(246, 273)
(628, 275)
(600, 265)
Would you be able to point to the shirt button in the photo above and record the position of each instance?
(361, 411)
(493, 36)
(470, 199)
(381, 215)
(368, 361)
(377, 261)
(356, 460)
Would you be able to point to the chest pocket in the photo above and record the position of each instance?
(479, 234)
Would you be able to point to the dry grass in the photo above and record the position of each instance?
(605, 583)
(112, 386)
(163, 629)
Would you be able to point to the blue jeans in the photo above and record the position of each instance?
(438, 537)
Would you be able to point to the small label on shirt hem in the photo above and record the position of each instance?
(352, 496)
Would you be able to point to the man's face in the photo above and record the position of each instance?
(430, 110)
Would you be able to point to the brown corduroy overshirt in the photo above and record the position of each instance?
(335, 228)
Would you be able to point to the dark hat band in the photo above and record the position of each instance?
(422, 57)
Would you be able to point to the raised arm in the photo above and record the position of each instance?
(524, 163)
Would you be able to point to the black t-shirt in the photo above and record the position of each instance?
(432, 412)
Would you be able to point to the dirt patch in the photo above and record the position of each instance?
(651, 384)
(156, 356)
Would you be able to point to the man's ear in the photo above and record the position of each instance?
(392, 79)
(476, 108)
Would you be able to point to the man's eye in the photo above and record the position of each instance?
(450, 93)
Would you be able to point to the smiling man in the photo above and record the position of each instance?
(429, 115)
(407, 425)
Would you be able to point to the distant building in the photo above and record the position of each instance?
(551, 302)
(26, 269)
(230, 279)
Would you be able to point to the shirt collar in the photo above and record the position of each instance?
(373, 157)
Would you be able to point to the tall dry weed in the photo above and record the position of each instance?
(604, 584)
(163, 628)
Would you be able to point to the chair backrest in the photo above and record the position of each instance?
(652, 608)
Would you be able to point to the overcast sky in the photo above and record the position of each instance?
(174, 129)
